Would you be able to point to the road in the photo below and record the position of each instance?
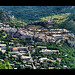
(31, 59)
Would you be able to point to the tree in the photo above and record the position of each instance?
(1, 65)
(6, 64)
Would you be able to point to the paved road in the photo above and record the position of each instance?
(31, 59)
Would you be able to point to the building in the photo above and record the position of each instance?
(25, 58)
(14, 53)
(46, 51)
(45, 64)
(28, 66)
(43, 59)
(52, 60)
(1, 60)
(59, 59)
(12, 65)
(3, 48)
(14, 49)
(1, 24)
(41, 47)
(22, 66)
(15, 57)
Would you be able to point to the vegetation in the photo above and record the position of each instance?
(4, 16)
(34, 13)
(6, 65)
(61, 18)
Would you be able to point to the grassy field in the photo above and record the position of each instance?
(57, 18)
(35, 27)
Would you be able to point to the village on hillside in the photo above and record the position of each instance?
(30, 56)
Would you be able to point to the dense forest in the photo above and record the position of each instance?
(33, 13)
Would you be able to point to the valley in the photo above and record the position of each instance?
(37, 40)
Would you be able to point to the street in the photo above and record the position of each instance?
(31, 59)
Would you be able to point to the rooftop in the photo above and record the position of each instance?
(41, 47)
(25, 57)
(15, 48)
(2, 44)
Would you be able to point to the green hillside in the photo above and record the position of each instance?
(4, 16)
(63, 16)
(33, 13)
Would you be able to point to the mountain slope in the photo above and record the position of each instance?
(33, 13)
(4, 16)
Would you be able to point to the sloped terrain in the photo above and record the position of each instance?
(4, 17)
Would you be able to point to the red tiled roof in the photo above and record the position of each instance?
(15, 48)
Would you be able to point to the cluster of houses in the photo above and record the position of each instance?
(34, 35)
(21, 52)
(37, 35)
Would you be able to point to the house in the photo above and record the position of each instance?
(41, 47)
(37, 64)
(3, 51)
(6, 29)
(52, 60)
(10, 47)
(17, 52)
(26, 37)
(32, 47)
(42, 68)
(43, 59)
(15, 57)
(22, 66)
(3, 47)
(14, 49)
(11, 43)
(27, 58)
(2, 60)
(33, 51)
(66, 55)
(46, 51)
(59, 59)
(15, 68)
(19, 45)
(1, 24)
(12, 65)
(65, 66)
(2, 42)
(28, 66)
(13, 30)
(45, 64)
(29, 63)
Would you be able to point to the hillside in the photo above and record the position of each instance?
(63, 16)
(4, 17)
(33, 13)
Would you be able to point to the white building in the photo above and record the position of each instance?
(3, 48)
(46, 51)
(27, 58)
(43, 59)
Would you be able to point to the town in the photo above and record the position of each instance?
(28, 55)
